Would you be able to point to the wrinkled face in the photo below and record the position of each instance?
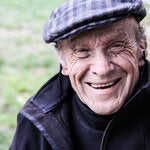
(103, 65)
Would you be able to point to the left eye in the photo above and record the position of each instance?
(116, 47)
(118, 44)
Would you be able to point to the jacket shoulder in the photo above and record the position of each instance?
(26, 135)
(52, 93)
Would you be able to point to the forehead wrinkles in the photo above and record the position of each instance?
(129, 25)
(100, 37)
(123, 29)
(85, 38)
(113, 35)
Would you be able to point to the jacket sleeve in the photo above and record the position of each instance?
(28, 137)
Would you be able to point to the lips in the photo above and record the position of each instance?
(104, 85)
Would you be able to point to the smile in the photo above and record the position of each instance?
(104, 86)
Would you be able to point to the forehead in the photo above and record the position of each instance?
(121, 29)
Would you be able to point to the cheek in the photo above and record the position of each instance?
(74, 64)
(128, 59)
(74, 67)
(77, 71)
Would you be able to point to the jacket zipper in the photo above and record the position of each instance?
(108, 128)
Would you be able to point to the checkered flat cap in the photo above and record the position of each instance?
(79, 15)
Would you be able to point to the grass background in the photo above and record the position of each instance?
(26, 62)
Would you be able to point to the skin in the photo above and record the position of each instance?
(103, 64)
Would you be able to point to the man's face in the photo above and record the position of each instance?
(103, 65)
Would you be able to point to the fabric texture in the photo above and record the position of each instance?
(79, 15)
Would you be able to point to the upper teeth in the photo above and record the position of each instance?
(95, 85)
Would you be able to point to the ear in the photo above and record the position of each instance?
(63, 63)
(64, 70)
(142, 51)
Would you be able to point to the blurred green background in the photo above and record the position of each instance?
(26, 62)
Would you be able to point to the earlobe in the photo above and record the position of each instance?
(143, 51)
(64, 71)
(143, 45)
(63, 64)
(144, 56)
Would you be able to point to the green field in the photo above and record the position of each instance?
(26, 62)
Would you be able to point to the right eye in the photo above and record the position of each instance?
(82, 53)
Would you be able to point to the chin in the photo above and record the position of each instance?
(105, 110)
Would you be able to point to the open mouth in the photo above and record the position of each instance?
(104, 86)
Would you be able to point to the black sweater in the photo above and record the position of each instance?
(87, 126)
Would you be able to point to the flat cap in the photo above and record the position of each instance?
(79, 15)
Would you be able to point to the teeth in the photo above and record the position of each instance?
(95, 85)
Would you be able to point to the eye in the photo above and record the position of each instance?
(82, 53)
(116, 47)
(118, 44)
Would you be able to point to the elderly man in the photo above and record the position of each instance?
(100, 99)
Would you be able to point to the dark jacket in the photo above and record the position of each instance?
(43, 123)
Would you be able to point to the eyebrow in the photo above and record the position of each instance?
(109, 36)
(73, 38)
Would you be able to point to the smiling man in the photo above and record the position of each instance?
(100, 98)
(109, 59)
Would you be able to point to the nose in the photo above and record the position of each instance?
(102, 65)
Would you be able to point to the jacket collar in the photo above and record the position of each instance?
(52, 93)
